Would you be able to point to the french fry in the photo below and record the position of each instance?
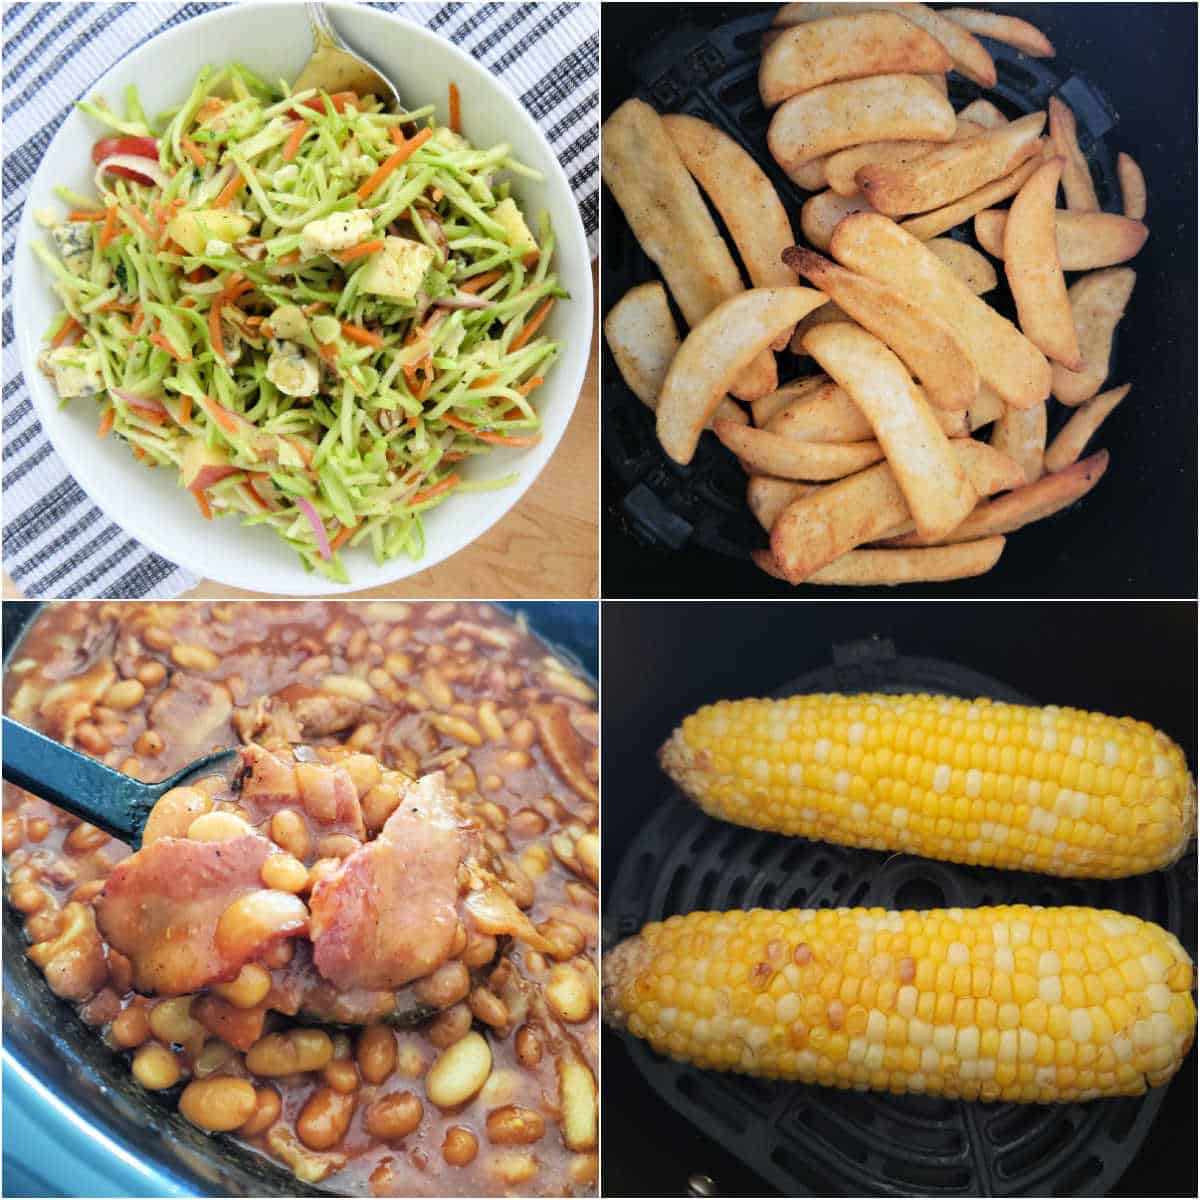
(881, 108)
(766, 408)
(1006, 360)
(1081, 426)
(952, 172)
(765, 453)
(1027, 38)
(641, 334)
(672, 224)
(847, 46)
(1034, 275)
(716, 352)
(840, 168)
(1098, 302)
(768, 497)
(827, 414)
(969, 54)
(1086, 240)
(966, 262)
(809, 176)
(818, 527)
(866, 568)
(824, 315)
(1077, 178)
(983, 112)
(936, 488)
(1021, 434)
(924, 343)
(1133, 187)
(1024, 505)
(988, 407)
(929, 225)
(821, 213)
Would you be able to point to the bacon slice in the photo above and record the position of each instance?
(162, 906)
(325, 792)
(564, 747)
(389, 914)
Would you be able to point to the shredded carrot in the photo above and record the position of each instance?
(532, 325)
(185, 409)
(250, 490)
(484, 381)
(144, 221)
(138, 452)
(188, 302)
(343, 536)
(214, 330)
(364, 337)
(220, 414)
(360, 251)
(496, 439)
(530, 258)
(146, 414)
(157, 339)
(530, 384)
(301, 448)
(328, 351)
(453, 457)
(455, 109)
(80, 215)
(211, 105)
(139, 316)
(117, 306)
(423, 390)
(389, 164)
(338, 99)
(231, 189)
(288, 259)
(107, 417)
(69, 326)
(108, 230)
(199, 275)
(194, 152)
(480, 281)
(443, 485)
(202, 503)
(316, 307)
(292, 146)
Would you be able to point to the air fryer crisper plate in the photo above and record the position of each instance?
(713, 74)
(825, 1142)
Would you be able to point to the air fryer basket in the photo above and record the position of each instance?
(811, 1141)
(670, 523)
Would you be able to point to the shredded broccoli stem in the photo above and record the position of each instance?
(403, 388)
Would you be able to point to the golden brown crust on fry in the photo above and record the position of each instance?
(1026, 37)
(1081, 427)
(1133, 187)
(1098, 302)
(1077, 178)
(1086, 241)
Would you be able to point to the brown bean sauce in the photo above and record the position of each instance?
(455, 687)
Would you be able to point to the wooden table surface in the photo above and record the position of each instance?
(548, 545)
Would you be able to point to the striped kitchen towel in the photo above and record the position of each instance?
(56, 541)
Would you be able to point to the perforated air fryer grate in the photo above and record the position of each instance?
(824, 1142)
(713, 74)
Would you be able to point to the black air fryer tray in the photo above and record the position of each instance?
(687, 530)
(812, 1141)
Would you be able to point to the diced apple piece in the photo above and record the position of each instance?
(397, 270)
(194, 230)
(203, 465)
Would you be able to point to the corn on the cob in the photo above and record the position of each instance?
(1005, 1003)
(1055, 790)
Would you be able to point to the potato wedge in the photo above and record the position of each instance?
(1021, 434)
(672, 224)
(1077, 183)
(881, 108)
(866, 568)
(819, 527)
(925, 344)
(966, 262)
(952, 172)
(1133, 187)
(1031, 265)
(809, 176)
(1024, 505)
(969, 54)
(827, 414)
(1027, 38)
(935, 487)
(768, 497)
(1098, 302)
(1086, 240)
(641, 334)
(821, 213)
(988, 407)
(766, 408)
(824, 315)
(1081, 426)
(848, 46)
(983, 112)
(716, 352)
(840, 168)
(765, 453)
(929, 225)
(1006, 360)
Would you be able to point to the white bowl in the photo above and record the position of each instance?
(273, 40)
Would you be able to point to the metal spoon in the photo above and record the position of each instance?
(87, 788)
(334, 67)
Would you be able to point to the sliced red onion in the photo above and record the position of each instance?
(318, 526)
(143, 402)
(132, 162)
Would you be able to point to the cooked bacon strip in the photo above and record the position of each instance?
(325, 792)
(564, 747)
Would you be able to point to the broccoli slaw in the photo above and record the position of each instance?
(313, 310)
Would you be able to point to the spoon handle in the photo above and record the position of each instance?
(322, 30)
(81, 785)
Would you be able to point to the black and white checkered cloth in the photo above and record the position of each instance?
(56, 541)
